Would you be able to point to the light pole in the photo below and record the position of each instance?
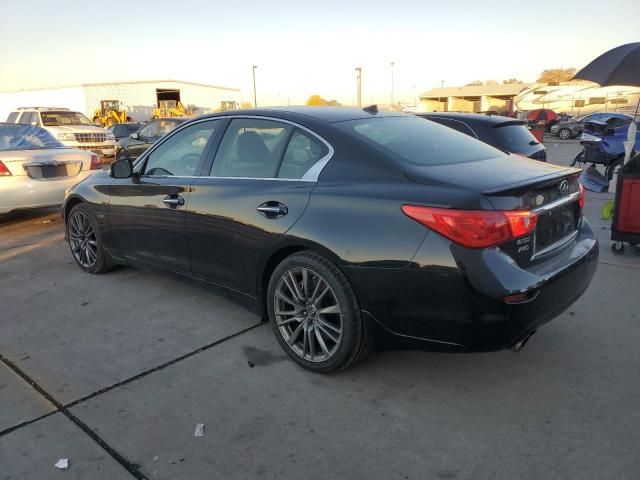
(359, 85)
(392, 64)
(255, 96)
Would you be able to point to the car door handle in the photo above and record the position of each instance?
(273, 209)
(173, 201)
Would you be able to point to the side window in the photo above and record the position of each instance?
(180, 154)
(26, 117)
(13, 116)
(149, 131)
(251, 148)
(302, 153)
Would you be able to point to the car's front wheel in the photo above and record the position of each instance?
(564, 133)
(85, 241)
(314, 313)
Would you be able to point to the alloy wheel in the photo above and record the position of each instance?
(82, 238)
(308, 314)
(564, 134)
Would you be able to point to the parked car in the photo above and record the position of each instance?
(123, 130)
(137, 143)
(36, 169)
(573, 128)
(349, 229)
(504, 133)
(71, 128)
(603, 144)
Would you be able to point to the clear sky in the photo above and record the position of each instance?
(303, 47)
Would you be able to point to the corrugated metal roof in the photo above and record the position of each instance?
(476, 91)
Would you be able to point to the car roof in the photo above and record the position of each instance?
(474, 117)
(327, 114)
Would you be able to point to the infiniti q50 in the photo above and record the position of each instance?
(349, 229)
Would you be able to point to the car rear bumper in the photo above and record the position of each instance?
(23, 192)
(452, 299)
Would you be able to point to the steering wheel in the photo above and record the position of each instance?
(188, 162)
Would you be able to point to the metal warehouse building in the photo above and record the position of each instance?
(139, 98)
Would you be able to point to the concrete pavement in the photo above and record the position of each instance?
(124, 365)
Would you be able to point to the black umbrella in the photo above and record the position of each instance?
(619, 66)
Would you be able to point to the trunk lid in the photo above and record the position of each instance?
(488, 176)
(46, 163)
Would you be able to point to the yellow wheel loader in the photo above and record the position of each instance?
(110, 113)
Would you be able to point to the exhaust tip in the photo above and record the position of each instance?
(519, 345)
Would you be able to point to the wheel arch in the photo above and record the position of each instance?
(276, 255)
(69, 204)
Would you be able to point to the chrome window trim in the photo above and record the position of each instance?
(311, 175)
(561, 201)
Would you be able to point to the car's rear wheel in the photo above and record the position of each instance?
(314, 313)
(85, 241)
(564, 133)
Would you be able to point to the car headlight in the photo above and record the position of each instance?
(555, 128)
(111, 136)
(67, 136)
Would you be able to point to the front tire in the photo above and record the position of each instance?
(85, 240)
(315, 315)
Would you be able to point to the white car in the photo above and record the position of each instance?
(73, 129)
(36, 169)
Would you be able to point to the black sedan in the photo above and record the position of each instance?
(349, 229)
(137, 142)
(505, 133)
(123, 130)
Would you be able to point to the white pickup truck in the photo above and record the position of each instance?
(71, 128)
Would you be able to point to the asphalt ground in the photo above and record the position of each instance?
(114, 371)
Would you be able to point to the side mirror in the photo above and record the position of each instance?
(121, 168)
(134, 135)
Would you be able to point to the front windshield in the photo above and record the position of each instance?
(57, 119)
(24, 137)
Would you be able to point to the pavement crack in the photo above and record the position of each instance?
(130, 467)
(163, 366)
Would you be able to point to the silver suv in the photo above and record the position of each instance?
(72, 129)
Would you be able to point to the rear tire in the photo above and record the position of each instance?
(315, 315)
(85, 241)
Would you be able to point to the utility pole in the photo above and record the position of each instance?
(359, 85)
(255, 96)
(441, 83)
(392, 64)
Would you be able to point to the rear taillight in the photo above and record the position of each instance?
(4, 171)
(582, 197)
(95, 162)
(474, 228)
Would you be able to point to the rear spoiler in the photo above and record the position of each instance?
(549, 178)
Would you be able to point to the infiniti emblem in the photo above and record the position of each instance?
(564, 186)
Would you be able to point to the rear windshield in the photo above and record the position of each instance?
(25, 137)
(513, 137)
(419, 142)
(56, 119)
